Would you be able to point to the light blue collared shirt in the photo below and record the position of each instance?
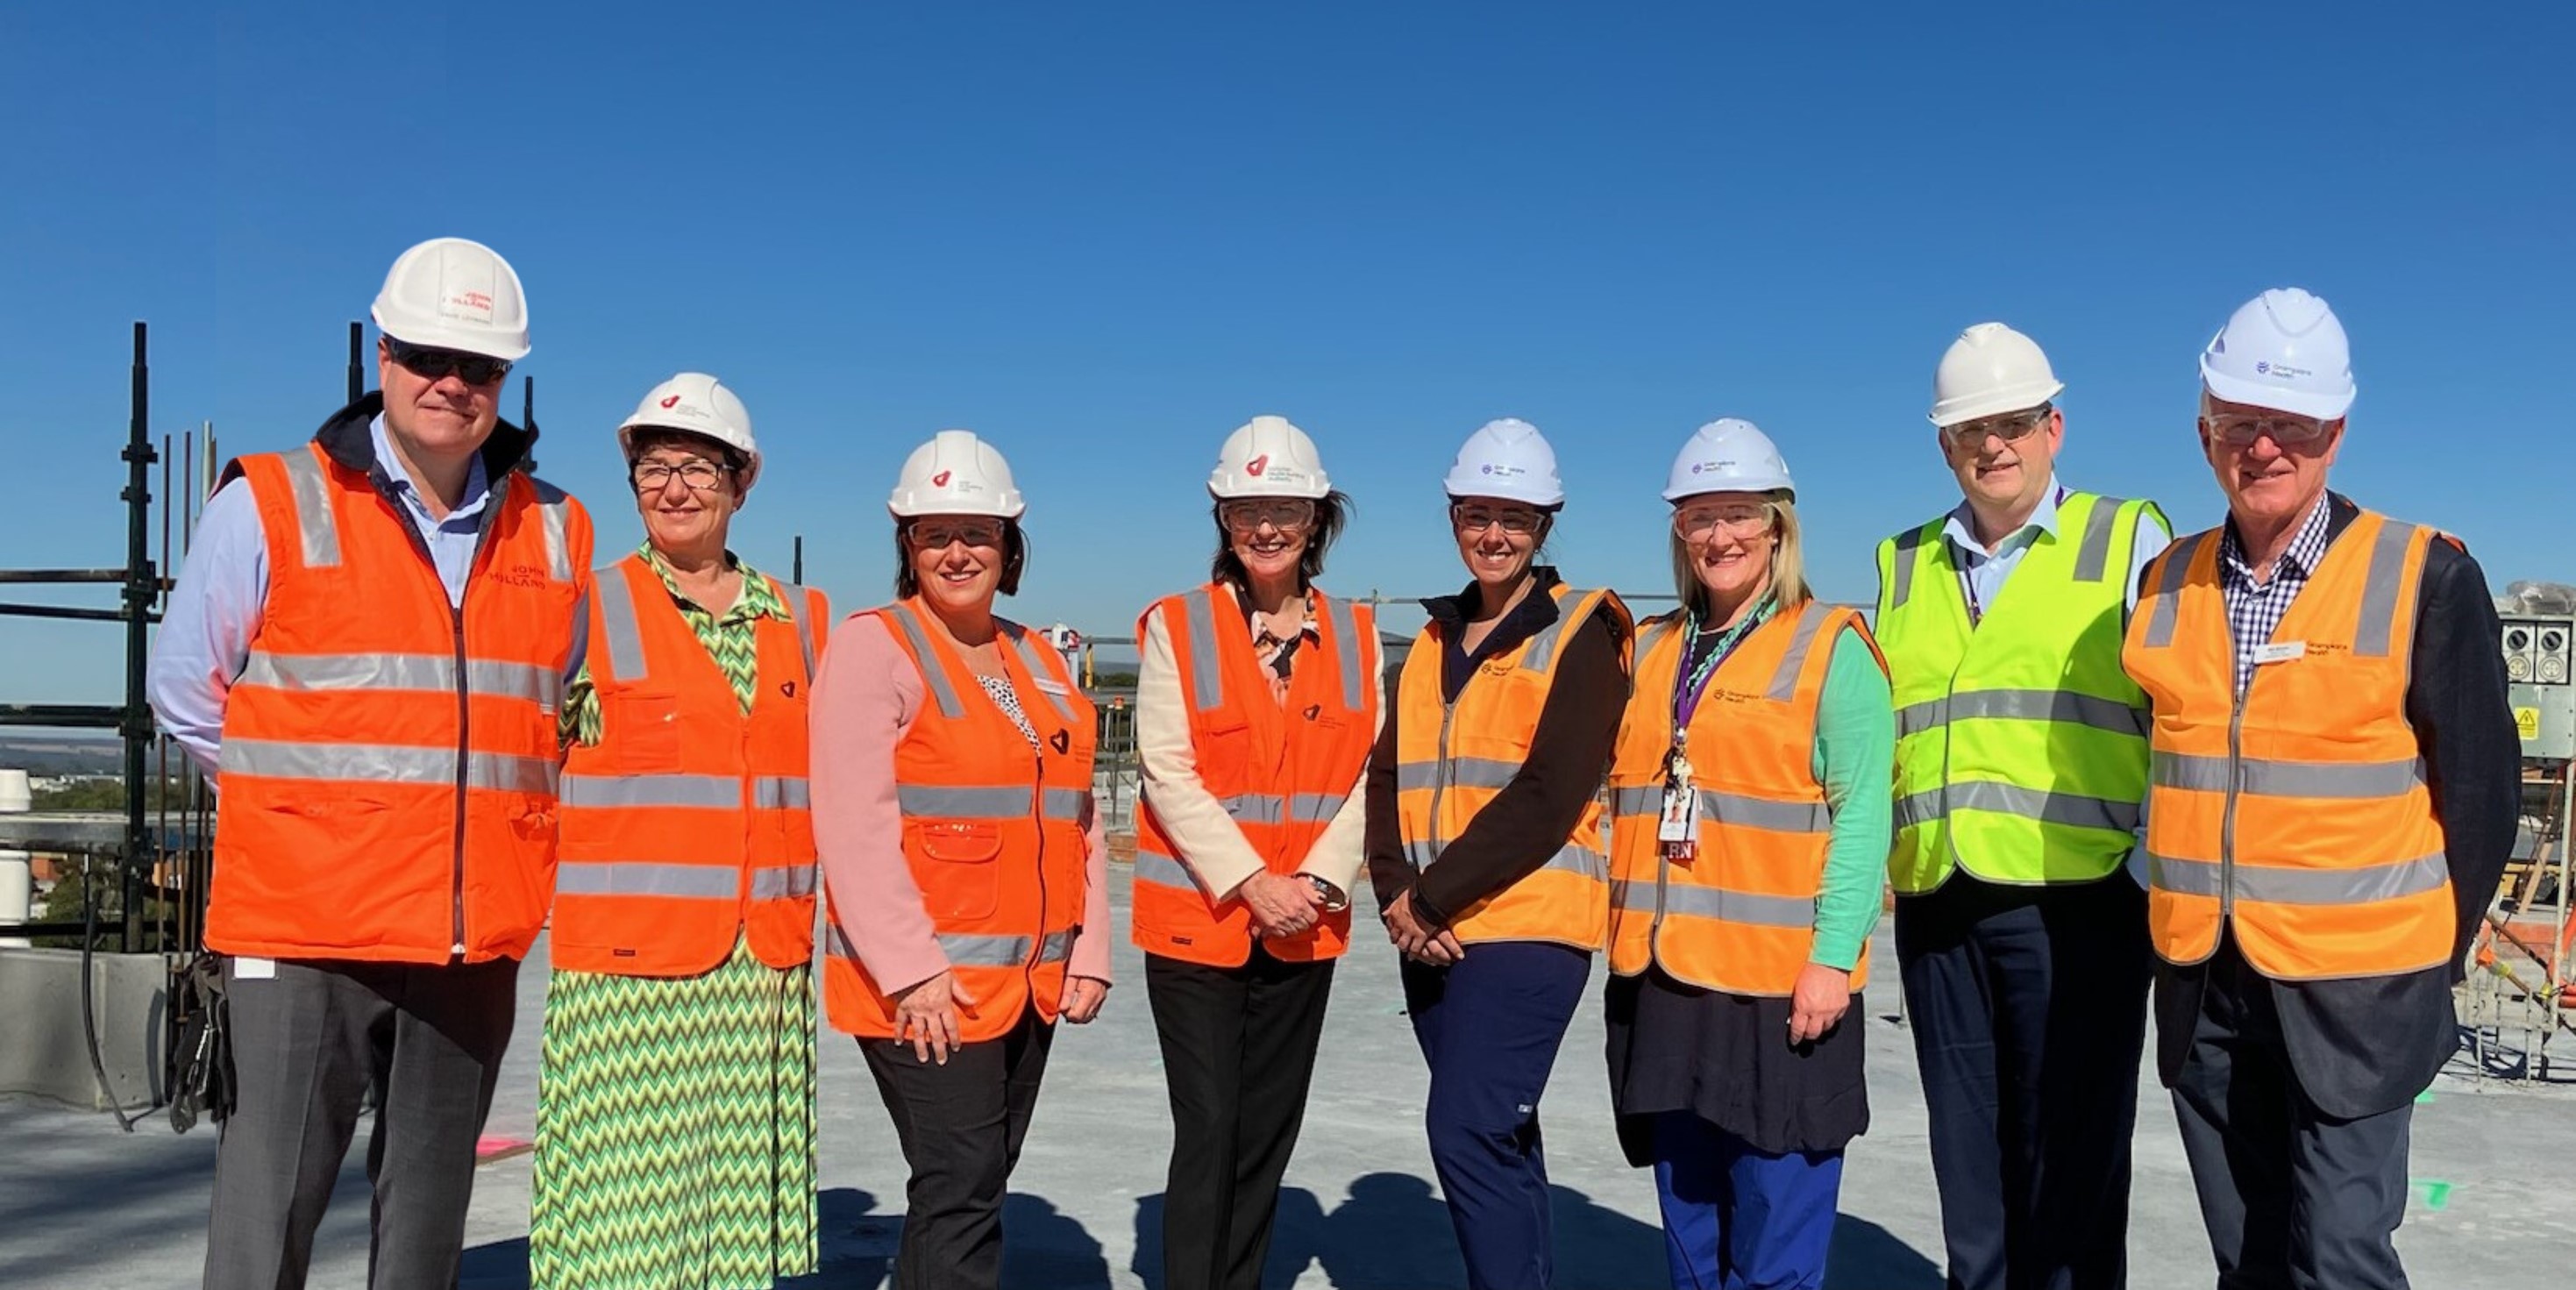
(1984, 572)
(214, 611)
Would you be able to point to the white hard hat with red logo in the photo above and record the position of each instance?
(699, 404)
(1268, 457)
(955, 474)
(449, 293)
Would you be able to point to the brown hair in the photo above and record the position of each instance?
(1332, 511)
(1015, 557)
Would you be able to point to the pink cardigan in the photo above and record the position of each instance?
(865, 699)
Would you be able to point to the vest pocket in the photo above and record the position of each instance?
(641, 729)
(959, 879)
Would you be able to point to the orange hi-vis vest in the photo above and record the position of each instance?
(388, 760)
(687, 823)
(1452, 758)
(1282, 769)
(1740, 914)
(2297, 816)
(993, 831)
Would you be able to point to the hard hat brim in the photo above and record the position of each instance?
(2263, 394)
(433, 336)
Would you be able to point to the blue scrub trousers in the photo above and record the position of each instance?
(1489, 1025)
(1737, 1218)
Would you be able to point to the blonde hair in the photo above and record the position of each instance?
(1788, 562)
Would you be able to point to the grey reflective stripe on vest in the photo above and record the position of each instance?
(1040, 674)
(2022, 705)
(1901, 576)
(1463, 772)
(1424, 853)
(779, 792)
(554, 519)
(2265, 778)
(2095, 552)
(1730, 808)
(1717, 902)
(1542, 643)
(2370, 637)
(1156, 869)
(1207, 675)
(1652, 633)
(2014, 799)
(1346, 637)
(638, 878)
(690, 792)
(386, 764)
(1802, 638)
(969, 950)
(2276, 886)
(783, 882)
(995, 802)
(1273, 808)
(309, 481)
(618, 624)
(932, 674)
(800, 611)
(402, 672)
(2173, 567)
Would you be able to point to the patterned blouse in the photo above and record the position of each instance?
(728, 639)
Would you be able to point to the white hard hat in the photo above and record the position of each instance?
(1728, 456)
(695, 403)
(955, 474)
(448, 293)
(1990, 369)
(2283, 350)
(1268, 457)
(1508, 459)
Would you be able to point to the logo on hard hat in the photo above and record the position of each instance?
(672, 401)
(939, 480)
(1697, 467)
(468, 302)
(1257, 465)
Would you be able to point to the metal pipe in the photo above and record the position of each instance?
(12, 609)
(357, 371)
(67, 716)
(142, 588)
(46, 576)
(797, 573)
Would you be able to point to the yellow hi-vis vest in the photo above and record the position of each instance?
(2021, 747)
(1453, 758)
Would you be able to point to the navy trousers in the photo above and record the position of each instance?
(1489, 1025)
(1739, 1218)
(2028, 1006)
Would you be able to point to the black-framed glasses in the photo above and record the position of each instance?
(700, 475)
(2283, 429)
(2012, 427)
(1475, 517)
(434, 364)
(940, 534)
(1286, 514)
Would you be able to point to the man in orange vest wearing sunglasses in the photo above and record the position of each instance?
(2335, 784)
(367, 648)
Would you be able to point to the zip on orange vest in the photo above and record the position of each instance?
(995, 832)
(369, 706)
(1282, 768)
(687, 824)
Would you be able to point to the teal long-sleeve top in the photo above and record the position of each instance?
(1855, 759)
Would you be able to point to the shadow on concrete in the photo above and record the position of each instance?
(1866, 1256)
(855, 1244)
(1393, 1233)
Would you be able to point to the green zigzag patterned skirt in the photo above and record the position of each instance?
(675, 1130)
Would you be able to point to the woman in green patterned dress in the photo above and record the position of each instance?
(675, 1101)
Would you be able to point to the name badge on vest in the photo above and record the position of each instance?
(2282, 652)
(1677, 821)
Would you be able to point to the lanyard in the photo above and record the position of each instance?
(1690, 686)
(1968, 587)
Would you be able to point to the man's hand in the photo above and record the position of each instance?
(1281, 906)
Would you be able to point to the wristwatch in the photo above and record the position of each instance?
(1335, 901)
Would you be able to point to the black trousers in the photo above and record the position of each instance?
(2293, 1197)
(960, 1126)
(1238, 1056)
(2028, 1007)
(306, 1042)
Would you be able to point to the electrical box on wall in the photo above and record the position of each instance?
(2540, 668)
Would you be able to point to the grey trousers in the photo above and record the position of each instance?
(306, 1042)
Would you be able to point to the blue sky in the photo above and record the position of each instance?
(1103, 235)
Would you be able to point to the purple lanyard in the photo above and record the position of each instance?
(1690, 684)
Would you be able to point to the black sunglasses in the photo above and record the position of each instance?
(434, 364)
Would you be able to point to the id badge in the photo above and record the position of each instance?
(1677, 824)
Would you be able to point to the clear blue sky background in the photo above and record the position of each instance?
(1102, 235)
